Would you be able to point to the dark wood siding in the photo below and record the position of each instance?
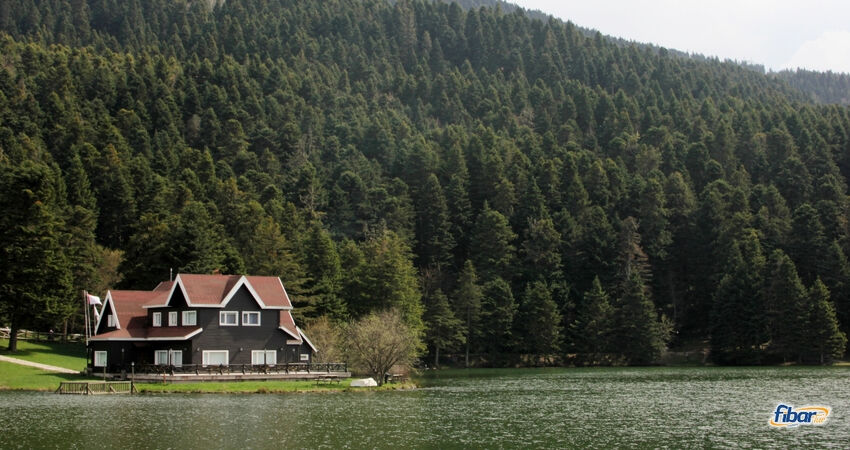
(103, 328)
(115, 359)
(239, 340)
(177, 303)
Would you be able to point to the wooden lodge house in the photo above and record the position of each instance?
(204, 321)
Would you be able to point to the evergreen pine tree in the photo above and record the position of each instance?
(434, 241)
(539, 322)
(383, 277)
(591, 330)
(541, 256)
(638, 334)
(36, 276)
(738, 320)
(825, 341)
(467, 301)
(444, 329)
(807, 246)
(491, 247)
(785, 299)
(322, 264)
(498, 309)
(836, 277)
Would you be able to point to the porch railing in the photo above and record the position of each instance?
(199, 369)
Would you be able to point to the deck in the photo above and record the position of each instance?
(233, 372)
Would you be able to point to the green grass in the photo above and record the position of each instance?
(70, 356)
(18, 377)
(261, 387)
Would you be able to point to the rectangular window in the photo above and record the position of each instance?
(215, 357)
(177, 358)
(251, 318)
(305, 357)
(190, 318)
(228, 318)
(157, 319)
(166, 357)
(172, 318)
(100, 359)
(110, 320)
(260, 357)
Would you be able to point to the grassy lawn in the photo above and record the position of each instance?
(17, 377)
(263, 387)
(70, 356)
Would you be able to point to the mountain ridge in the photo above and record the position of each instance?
(546, 182)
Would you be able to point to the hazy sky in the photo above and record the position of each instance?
(780, 34)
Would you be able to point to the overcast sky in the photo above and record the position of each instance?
(780, 34)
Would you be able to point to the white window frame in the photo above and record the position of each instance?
(223, 314)
(100, 358)
(110, 320)
(260, 357)
(305, 357)
(246, 322)
(157, 319)
(172, 319)
(190, 318)
(207, 353)
(172, 357)
(176, 358)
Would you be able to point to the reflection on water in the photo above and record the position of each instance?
(647, 407)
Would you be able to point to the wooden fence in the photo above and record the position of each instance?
(96, 387)
(43, 336)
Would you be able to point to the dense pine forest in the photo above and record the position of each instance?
(516, 187)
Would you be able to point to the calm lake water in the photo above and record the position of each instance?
(600, 407)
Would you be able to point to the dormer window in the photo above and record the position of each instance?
(157, 319)
(172, 318)
(251, 318)
(190, 318)
(228, 318)
(110, 320)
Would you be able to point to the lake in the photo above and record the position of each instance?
(512, 408)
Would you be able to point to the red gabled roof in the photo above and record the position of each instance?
(271, 291)
(129, 307)
(199, 290)
(207, 289)
(164, 286)
(288, 324)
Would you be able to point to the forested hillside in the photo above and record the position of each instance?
(823, 87)
(512, 185)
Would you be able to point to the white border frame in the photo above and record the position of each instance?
(155, 352)
(184, 315)
(205, 352)
(259, 318)
(221, 315)
(265, 356)
(105, 358)
(107, 301)
(175, 338)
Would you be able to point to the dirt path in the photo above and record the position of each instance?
(38, 365)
